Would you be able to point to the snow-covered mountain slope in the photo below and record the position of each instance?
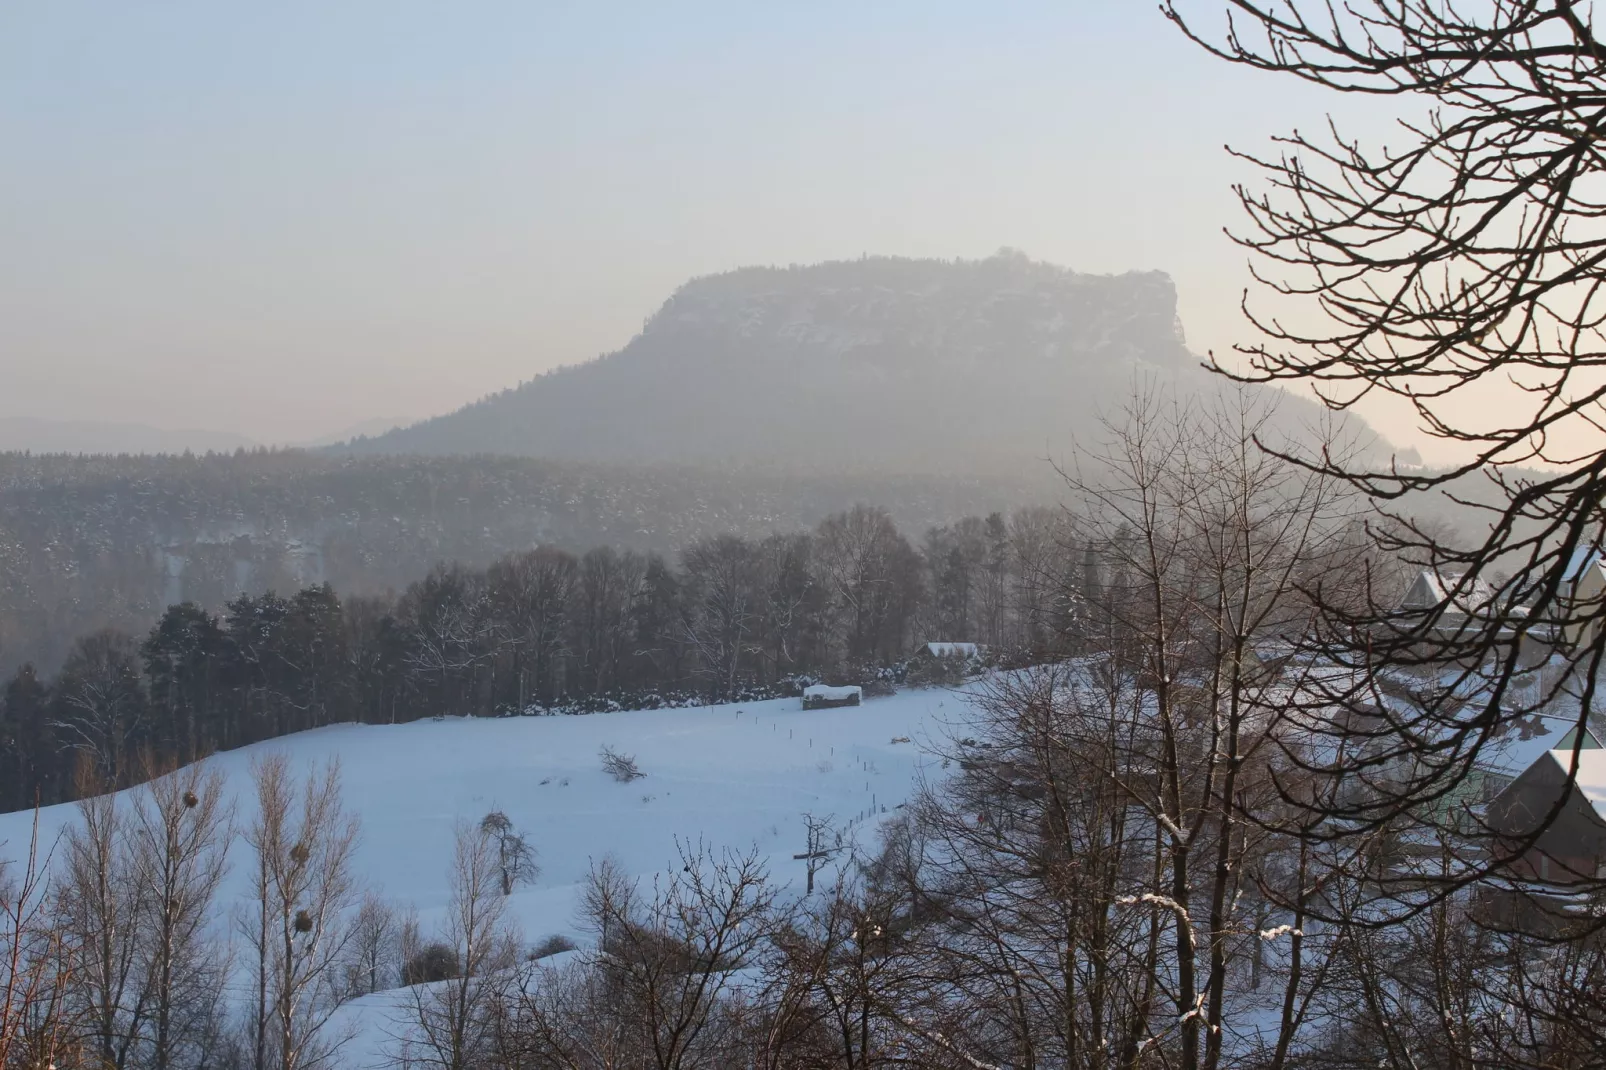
(731, 776)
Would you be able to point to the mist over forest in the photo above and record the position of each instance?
(1180, 647)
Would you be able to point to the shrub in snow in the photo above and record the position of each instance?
(622, 767)
(615, 702)
(556, 944)
(662, 951)
(432, 962)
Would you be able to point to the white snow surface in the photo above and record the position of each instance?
(731, 776)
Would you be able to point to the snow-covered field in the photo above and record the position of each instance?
(736, 776)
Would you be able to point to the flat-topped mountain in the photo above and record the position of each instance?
(893, 364)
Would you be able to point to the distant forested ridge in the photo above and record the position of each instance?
(94, 542)
(880, 364)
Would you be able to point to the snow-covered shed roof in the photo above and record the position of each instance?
(833, 694)
(952, 650)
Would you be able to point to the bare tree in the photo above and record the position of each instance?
(303, 840)
(792, 603)
(450, 1020)
(1456, 270)
(841, 983)
(515, 858)
(106, 907)
(720, 614)
(565, 1016)
(374, 949)
(872, 574)
(451, 633)
(38, 963)
(607, 587)
(822, 843)
(668, 956)
(1082, 892)
(532, 592)
(180, 828)
(100, 707)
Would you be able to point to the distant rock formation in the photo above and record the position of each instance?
(918, 366)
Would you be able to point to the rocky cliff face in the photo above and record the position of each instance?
(881, 363)
(926, 318)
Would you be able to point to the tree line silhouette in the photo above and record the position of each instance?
(539, 631)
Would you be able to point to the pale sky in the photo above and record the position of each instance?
(285, 219)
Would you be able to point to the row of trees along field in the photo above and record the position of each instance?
(1151, 855)
(546, 629)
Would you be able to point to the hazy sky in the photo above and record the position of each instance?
(285, 219)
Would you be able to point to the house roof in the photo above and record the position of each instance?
(1582, 559)
(1591, 779)
(1531, 739)
(1433, 588)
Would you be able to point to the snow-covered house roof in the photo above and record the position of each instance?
(1587, 573)
(1582, 560)
(1591, 779)
(1533, 738)
(1433, 588)
(952, 650)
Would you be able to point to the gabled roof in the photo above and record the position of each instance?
(1433, 588)
(1533, 738)
(1591, 774)
(1583, 559)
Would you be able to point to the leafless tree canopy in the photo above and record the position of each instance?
(1180, 844)
(299, 927)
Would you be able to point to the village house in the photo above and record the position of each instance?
(1537, 799)
(1571, 848)
(941, 663)
(1457, 599)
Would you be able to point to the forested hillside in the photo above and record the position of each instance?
(883, 363)
(92, 542)
(540, 631)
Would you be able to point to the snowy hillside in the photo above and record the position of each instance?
(733, 776)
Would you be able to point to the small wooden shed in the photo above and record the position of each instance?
(821, 697)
